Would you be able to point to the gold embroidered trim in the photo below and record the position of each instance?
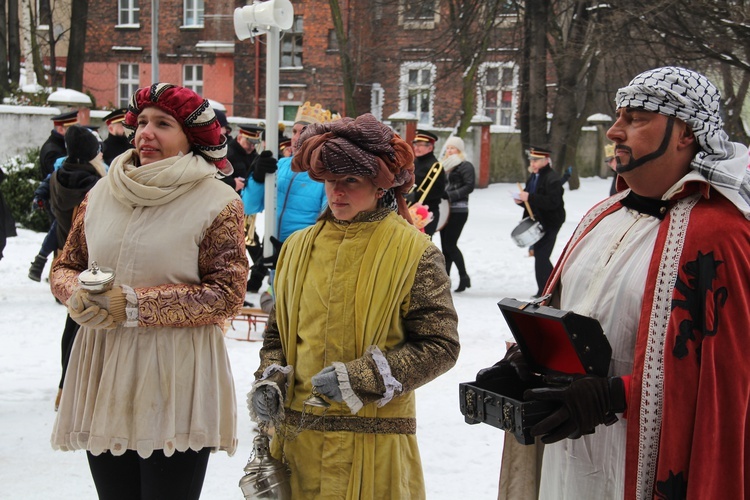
(342, 423)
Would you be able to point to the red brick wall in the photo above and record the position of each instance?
(380, 46)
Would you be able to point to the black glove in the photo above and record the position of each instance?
(270, 262)
(512, 364)
(264, 164)
(587, 401)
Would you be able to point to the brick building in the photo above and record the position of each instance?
(398, 52)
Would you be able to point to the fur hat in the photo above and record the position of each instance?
(81, 144)
(193, 112)
(456, 142)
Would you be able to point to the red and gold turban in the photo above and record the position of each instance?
(193, 112)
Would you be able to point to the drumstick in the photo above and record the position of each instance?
(528, 207)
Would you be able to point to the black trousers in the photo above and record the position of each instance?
(66, 344)
(449, 242)
(542, 263)
(434, 207)
(130, 477)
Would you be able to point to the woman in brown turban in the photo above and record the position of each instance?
(363, 316)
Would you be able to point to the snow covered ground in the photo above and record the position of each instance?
(459, 460)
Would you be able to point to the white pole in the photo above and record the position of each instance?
(272, 135)
(154, 41)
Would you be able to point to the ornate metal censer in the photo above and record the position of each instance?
(97, 279)
(265, 477)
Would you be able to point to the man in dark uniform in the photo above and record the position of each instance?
(424, 147)
(116, 142)
(544, 192)
(54, 147)
(241, 153)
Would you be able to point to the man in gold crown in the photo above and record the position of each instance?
(299, 200)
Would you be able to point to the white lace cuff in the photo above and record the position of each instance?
(263, 381)
(131, 307)
(350, 398)
(391, 384)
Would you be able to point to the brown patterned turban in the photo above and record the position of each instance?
(362, 146)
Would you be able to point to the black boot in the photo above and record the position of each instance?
(257, 274)
(463, 284)
(35, 271)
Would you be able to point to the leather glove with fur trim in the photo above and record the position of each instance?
(88, 314)
(587, 401)
(512, 364)
(264, 164)
(112, 300)
(326, 382)
(265, 403)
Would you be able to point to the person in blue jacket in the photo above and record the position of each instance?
(299, 199)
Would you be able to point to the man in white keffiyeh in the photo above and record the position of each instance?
(663, 266)
(691, 97)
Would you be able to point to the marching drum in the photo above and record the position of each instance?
(527, 232)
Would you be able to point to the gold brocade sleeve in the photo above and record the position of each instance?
(271, 352)
(223, 268)
(431, 346)
(73, 259)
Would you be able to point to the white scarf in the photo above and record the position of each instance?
(156, 183)
(452, 161)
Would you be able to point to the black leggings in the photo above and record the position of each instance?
(449, 241)
(130, 477)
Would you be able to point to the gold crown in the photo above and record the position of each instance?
(312, 114)
(609, 151)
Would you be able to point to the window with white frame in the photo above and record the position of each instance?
(193, 13)
(128, 83)
(416, 88)
(377, 95)
(291, 45)
(128, 12)
(498, 83)
(192, 77)
(418, 14)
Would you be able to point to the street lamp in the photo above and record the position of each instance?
(268, 17)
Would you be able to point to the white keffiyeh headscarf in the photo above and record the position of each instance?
(691, 97)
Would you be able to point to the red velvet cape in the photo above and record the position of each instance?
(690, 387)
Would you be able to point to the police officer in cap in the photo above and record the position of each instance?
(424, 151)
(54, 147)
(544, 193)
(116, 142)
(241, 153)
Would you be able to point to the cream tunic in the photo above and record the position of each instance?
(593, 467)
(165, 383)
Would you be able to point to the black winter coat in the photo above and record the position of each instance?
(460, 184)
(240, 160)
(547, 200)
(68, 188)
(113, 146)
(422, 165)
(52, 149)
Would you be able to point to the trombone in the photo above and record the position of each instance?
(426, 185)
